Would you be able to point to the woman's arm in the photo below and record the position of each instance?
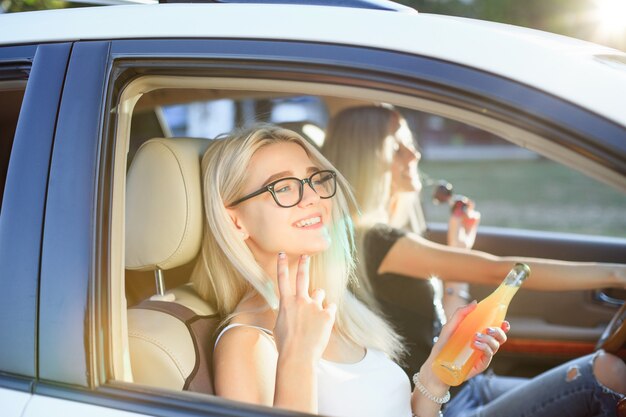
(415, 256)
(247, 368)
(251, 367)
(462, 228)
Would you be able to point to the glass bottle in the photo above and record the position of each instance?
(457, 357)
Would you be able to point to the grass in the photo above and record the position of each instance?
(531, 194)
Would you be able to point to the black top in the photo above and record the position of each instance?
(408, 303)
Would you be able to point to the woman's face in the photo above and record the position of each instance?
(269, 228)
(404, 159)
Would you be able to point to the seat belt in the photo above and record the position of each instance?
(202, 329)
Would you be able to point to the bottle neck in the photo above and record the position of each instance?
(516, 275)
(504, 293)
(511, 283)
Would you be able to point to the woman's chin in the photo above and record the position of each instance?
(314, 241)
(316, 246)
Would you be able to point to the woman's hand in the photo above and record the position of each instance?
(463, 225)
(488, 343)
(304, 323)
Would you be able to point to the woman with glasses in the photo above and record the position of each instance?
(373, 148)
(276, 261)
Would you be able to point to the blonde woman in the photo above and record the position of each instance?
(373, 148)
(277, 260)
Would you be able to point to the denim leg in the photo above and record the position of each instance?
(569, 390)
(493, 386)
(481, 390)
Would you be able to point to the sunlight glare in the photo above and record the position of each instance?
(611, 14)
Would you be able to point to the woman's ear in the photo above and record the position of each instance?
(238, 223)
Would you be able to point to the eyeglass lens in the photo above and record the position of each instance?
(289, 191)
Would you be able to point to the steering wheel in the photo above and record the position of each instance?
(614, 336)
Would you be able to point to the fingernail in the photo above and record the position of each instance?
(479, 335)
(491, 331)
(281, 255)
(478, 344)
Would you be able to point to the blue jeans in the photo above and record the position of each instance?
(569, 390)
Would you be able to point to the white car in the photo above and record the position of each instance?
(82, 89)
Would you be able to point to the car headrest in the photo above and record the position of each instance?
(164, 204)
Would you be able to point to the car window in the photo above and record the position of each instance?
(305, 114)
(11, 96)
(513, 187)
(500, 176)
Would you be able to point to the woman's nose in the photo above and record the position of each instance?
(309, 196)
(408, 154)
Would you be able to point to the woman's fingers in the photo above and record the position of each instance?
(506, 326)
(302, 277)
(282, 276)
(331, 309)
(497, 333)
(318, 296)
(488, 344)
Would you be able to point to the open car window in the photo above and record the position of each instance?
(480, 155)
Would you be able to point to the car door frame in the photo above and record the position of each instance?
(21, 221)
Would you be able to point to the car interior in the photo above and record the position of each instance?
(164, 228)
(11, 96)
(157, 218)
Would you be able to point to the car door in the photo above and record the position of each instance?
(36, 177)
(78, 357)
(31, 80)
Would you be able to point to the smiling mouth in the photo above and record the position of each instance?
(309, 222)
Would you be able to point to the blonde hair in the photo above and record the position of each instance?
(355, 144)
(226, 270)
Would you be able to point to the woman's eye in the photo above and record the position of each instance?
(283, 189)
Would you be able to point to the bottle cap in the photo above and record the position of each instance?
(517, 275)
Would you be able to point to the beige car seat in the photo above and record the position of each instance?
(170, 334)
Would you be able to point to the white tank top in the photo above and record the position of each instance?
(373, 387)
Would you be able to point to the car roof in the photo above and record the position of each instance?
(589, 75)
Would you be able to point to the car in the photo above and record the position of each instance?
(92, 98)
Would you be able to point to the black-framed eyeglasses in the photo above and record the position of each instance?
(288, 192)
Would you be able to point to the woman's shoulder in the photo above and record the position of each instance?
(377, 242)
(238, 336)
(242, 345)
(245, 329)
(244, 351)
(382, 232)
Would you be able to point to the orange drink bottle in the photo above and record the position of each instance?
(457, 357)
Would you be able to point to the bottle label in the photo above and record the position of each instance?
(464, 355)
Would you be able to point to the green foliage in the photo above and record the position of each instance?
(30, 5)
